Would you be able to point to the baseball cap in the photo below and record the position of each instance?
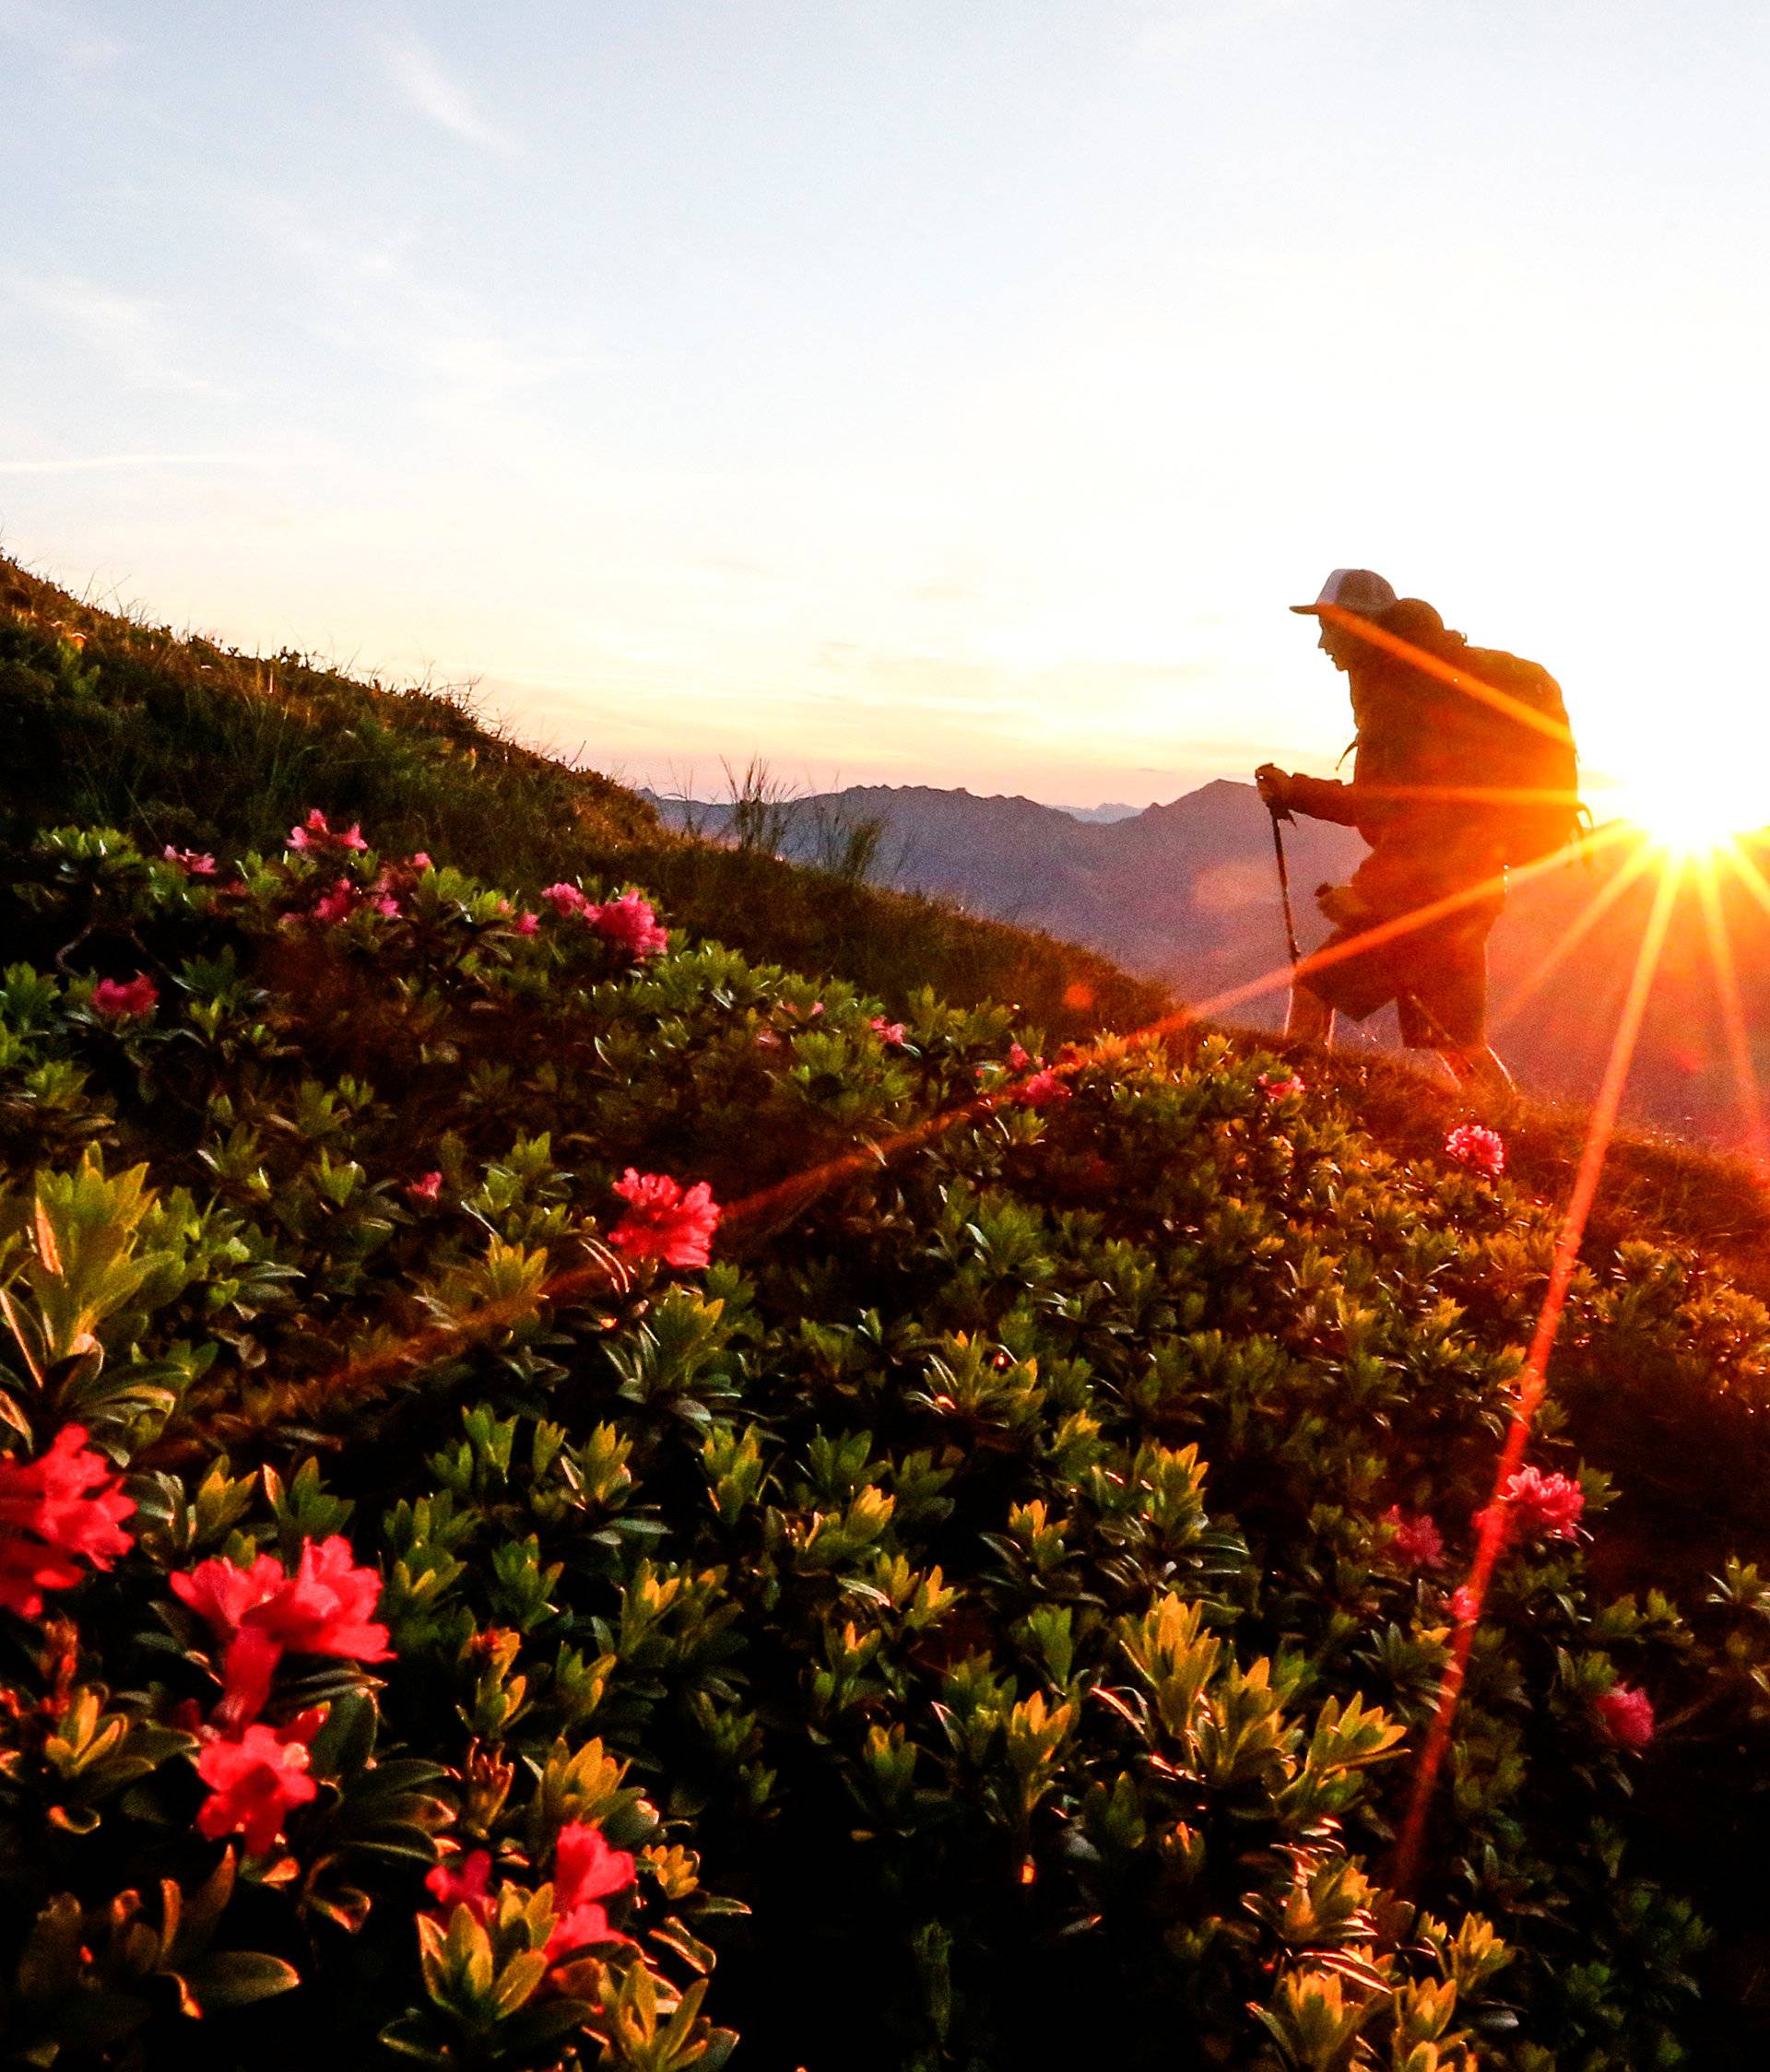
(1355, 590)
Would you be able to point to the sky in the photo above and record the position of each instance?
(903, 390)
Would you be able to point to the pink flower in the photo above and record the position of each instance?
(1018, 1058)
(1465, 1606)
(586, 1871)
(61, 1509)
(316, 832)
(425, 1190)
(1484, 1150)
(118, 1002)
(1540, 1506)
(1417, 1540)
(324, 1607)
(255, 1782)
(566, 900)
(1281, 1089)
(222, 1594)
(630, 923)
(664, 1222)
(468, 1886)
(890, 1032)
(1043, 1089)
(336, 905)
(1627, 1716)
(421, 861)
(526, 924)
(189, 862)
(248, 1668)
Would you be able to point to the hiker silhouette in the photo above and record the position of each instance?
(1463, 764)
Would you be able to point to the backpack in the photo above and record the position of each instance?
(1507, 754)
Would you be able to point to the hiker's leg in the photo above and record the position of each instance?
(1309, 1017)
(1478, 1067)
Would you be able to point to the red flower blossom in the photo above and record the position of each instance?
(665, 1222)
(247, 1669)
(425, 1190)
(61, 1509)
(630, 923)
(255, 1782)
(526, 924)
(1484, 1150)
(336, 905)
(119, 1002)
(1539, 1506)
(1627, 1716)
(1043, 1089)
(222, 1594)
(566, 900)
(890, 1032)
(189, 862)
(468, 1886)
(1280, 1090)
(316, 832)
(586, 1871)
(1464, 1605)
(1417, 1540)
(1018, 1056)
(421, 861)
(323, 1608)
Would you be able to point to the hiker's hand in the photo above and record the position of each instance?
(1342, 906)
(1274, 787)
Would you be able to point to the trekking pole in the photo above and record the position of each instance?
(1284, 883)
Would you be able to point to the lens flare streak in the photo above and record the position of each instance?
(1533, 1384)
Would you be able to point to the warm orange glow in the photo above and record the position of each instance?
(1734, 1020)
(1533, 1384)
(1692, 798)
(1575, 933)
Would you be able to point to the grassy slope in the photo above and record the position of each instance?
(1693, 1468)
(179, 741)
(175, 739)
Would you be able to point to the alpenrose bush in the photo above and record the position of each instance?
(494, 1571)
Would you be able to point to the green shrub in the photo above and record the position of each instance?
(982, 1615)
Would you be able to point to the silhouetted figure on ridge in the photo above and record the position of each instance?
(1449, 786)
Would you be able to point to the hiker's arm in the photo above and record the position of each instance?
(1325, 799)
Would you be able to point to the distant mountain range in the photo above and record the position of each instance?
(1115, 809)
(1188, 893)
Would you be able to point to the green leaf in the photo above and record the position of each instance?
(235, 1978)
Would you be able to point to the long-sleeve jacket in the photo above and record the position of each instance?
(1413, 755)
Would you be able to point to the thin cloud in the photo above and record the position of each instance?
(420, 77)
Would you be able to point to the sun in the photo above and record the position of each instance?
(1689, 805)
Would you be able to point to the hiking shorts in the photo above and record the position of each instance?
(1436, 975)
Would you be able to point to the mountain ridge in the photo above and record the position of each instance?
(1185, 893)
